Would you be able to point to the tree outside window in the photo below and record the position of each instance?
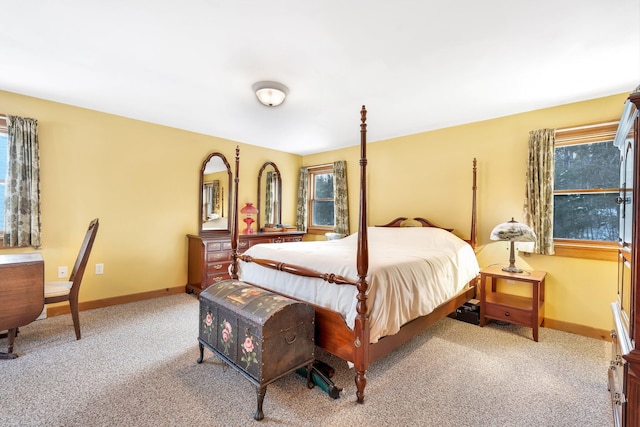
(321, 198)
(586, 184)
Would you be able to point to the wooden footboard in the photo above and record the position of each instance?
(334, 336)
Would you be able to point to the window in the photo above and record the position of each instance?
(586, 184)
(321, 199)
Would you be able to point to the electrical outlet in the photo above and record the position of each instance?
(99, 268)
(62, 272)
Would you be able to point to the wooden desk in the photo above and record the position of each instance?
(523, 311)
(21, 293)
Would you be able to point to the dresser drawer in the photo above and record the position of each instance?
(213, 278)
(508, 314)
(214, 246)
(218, 267)
(261, 240)
(218, 256)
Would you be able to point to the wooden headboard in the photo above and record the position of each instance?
(425, 223)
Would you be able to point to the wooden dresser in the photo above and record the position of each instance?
(210, 257)
(624, 372)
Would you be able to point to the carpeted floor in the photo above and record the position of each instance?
(136, 366)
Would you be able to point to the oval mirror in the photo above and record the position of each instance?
(269, 196)
(215, 192)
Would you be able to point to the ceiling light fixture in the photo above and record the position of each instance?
(270, 94)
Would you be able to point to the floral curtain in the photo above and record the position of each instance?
(538, 204)
(269, 199)
(216, 196)
(301, 214)
(22, 192)
(340, 196)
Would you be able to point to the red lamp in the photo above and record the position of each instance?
(249, 210)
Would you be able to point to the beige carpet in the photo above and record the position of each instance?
(136, 366)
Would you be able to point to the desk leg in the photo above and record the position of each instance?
(12, 337)
(5, 356)
(483, 296)
(535, 310)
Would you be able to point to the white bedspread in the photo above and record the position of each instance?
(412, 270)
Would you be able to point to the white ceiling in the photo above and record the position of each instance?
(418, 65)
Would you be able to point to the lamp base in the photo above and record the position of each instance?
(249, 230)
(512, 262)
(513, 269)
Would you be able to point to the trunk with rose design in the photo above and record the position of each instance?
(261, 334)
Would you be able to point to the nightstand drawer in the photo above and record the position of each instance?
(508, 314)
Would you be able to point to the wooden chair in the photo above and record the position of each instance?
(59, 291)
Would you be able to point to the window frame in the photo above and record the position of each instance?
(586, 134)
(312, 171)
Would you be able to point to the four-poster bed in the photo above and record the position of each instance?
(353, 331)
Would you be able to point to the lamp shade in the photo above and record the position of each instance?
(249, 209)
(513, 231)
(270, 94)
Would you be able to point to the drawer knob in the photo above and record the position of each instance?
(507, 314)
(217, 266)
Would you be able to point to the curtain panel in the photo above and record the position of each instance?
(22, 192)
(269, 199)
(340, 197)
(216, 196)
(538, 204)
(301, 211)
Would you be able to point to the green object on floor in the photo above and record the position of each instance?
(322, 381)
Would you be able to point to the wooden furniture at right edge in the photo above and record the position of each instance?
(624, 372)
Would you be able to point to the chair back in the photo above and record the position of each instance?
(83, 256)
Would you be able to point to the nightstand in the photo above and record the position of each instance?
(515, 309)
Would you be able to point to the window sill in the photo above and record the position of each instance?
(319, 231)
(605, 252)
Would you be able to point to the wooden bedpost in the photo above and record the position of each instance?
(361, 326)
(474, 225)
(234, 221)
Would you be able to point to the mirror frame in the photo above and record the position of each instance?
(278, 189)
(202, 231)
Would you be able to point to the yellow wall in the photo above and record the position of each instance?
(100, 165)
(141, 180)
(429, 175)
